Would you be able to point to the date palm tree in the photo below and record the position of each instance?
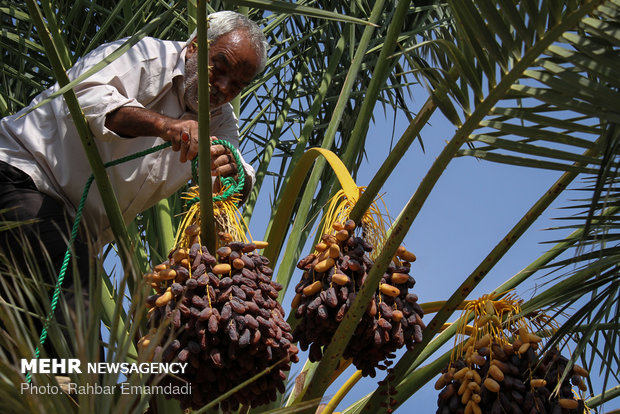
(532, 83)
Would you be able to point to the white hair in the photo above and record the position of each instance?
(226, 21)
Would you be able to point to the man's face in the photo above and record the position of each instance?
(234, 63)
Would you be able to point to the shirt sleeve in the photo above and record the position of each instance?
(97, 101)
(134, 79)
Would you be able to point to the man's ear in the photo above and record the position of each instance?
(192, 47)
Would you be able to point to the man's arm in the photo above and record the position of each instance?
(131, 122)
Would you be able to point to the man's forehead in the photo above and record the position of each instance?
(238, 45)
(236, 38)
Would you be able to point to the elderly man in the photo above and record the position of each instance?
(143, 98)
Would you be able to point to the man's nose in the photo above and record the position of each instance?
(223, 84)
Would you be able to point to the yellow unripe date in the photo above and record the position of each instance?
(580, 371)
(484, 320)
(491, 385)
(523, 348)
(476, 377)
(167, 274)
(163, 299)
(473, 387)
(496, 373)
(261, 244)
(160, 267)
(537, 383)
(296, 301)
(466, 396)
(389, 290)
(222, 268)
(334, 251)
(399, 278)
(568, 403)
(320, 247)
(340, 279)
(469, 408)
(179, 255)
(397, 315)
(342, 235)
(501, 365)
(312, 288)
(441, 382)
(463, 388)
(484, 340)
(405, 254)
(460, 374)
(238, 264)
(225, 237)
(324, 265)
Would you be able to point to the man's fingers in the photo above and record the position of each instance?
(222, 160)
(226, 170)
(193, 149)
(183, 151)
(187, 144)
(223, 165)
(217, 150)
(189, 147)
(177, 141)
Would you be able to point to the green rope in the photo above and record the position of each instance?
(235, 187)
(74, 232)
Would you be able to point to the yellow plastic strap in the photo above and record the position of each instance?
(292, 189)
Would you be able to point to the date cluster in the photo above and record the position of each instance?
(332, 278)
(495, 378)
(223, 314)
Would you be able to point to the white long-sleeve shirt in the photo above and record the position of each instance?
(45, 144)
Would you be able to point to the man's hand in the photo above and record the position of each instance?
(222, 161)
(129, 121)
(183, 134)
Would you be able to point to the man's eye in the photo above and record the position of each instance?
(221, 61)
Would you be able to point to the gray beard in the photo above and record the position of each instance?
(191, 83)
